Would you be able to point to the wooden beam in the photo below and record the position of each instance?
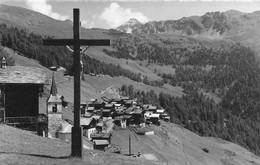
(62, 42)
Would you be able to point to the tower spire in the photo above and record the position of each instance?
(54, 90)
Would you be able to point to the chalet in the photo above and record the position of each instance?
(153, 118)
(152, 108)
(96, 104)
(83, 108)
(106, 113)
(137, 116)
(120, 121)
(117, 106)
(20, 89)
(102, 136)
(90, 109)
(87, 123)
(128, 103)
(109, 106)
(99, 126)
(165, 117)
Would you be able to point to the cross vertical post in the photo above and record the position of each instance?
(77, 145)
(76, 137)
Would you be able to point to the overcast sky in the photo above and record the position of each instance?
(111, 14)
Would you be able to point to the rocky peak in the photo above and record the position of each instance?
(130, 26)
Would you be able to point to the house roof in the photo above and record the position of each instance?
(22, 75)
(106, 110)
(100, 124)
(54, 99)
(101, 135)
(86, 120)
(149, 114)
(101, 142)
(152, 107)
(160, 110)
(96, 117)
(90, 108)
(137, 111)
(66, 127)
(109, 105)
(129, 102)
(92, 100)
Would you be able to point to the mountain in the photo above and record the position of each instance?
(230, 25)
(211, 23)
(130, 26)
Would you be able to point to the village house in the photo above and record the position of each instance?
(100, 144)
(96, 104)
(138, 116)
(120, 121)
(102, 136)
(152, 118)
(128, 103)
(152, 108)
(20, 89)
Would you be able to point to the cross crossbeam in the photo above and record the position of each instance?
(76, 144)
(62, 42)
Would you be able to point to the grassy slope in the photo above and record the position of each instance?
(22, 147)
(175, 145)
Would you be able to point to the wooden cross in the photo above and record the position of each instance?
(76, 145)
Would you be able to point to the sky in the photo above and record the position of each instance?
(111, 14)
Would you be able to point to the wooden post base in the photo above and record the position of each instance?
(77, 144)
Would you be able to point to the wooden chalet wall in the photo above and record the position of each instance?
(21, 100)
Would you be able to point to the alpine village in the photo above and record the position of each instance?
(180, 92)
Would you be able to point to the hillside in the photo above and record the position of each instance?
(23, 147)
(172, 144)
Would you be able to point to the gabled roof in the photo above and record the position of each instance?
(54, 99)
(160, 110)
(22, 75)
(85, 121)
(101, 142)
(137, 111)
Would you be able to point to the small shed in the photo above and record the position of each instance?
(100, 144)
